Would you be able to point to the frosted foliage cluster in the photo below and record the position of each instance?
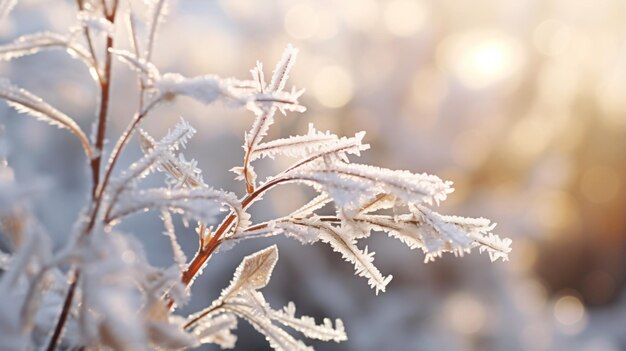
(99, 291)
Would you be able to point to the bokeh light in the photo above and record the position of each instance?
(359, 14)
(465, 314)
(551, 37)
(600, 184)
(480, 58)
(570, 313)
(404, 17)
(333, 86)
(302, 21)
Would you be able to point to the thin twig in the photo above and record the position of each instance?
(205, 252)
(105, 85)
(158, 9)
(122, 142)
(135, 44)
(81, 7)
(67, 306)
(119, 146)
(204, 313)
(104, 102)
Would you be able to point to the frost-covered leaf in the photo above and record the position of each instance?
(259, 77)
(300, 171)
(307, 326)
(30, 44)
(243, 299)
(201, 204)
(253, 273)
(310, 207)
(210, 88)
(353, 185)
(403, 227)
(449, 233)
(174, 139)
(265, 117)
(497, 247)
(149, 72)
(379, 202)
(179, 255)
(458, 235)
(217, 330)
(435, 234)
(303, 146)
(283, 67)
(299, 229)
(332, 154)
(345, 244)
(26, 102)
(302, 230)
(259, 129)
(479, 230)
(177, 137)
(283, 100)
(253, 308)
(180, 172)
(205, 89)
(278, 338)
(260, 126)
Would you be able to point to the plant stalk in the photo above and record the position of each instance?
(105, 88)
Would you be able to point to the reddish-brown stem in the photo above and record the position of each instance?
(121, 143)
(67, 305)
(98, 201)
(105, 87)
(119, 146)
(105, 91)
(204, 253)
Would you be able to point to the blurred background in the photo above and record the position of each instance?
(522, 104)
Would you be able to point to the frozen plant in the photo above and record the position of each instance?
(111, 297)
